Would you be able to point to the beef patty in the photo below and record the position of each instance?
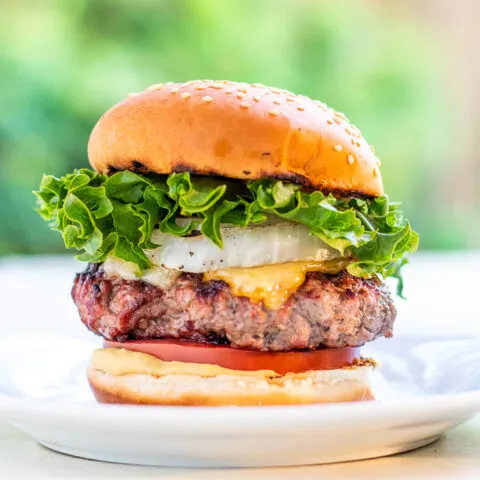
(326, 310)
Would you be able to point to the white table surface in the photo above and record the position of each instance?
(433, 302)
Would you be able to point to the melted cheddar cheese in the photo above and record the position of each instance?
(271, 284)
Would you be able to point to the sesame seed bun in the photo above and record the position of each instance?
(323, 386)
(235, 130)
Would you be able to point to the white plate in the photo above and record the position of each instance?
(432, 386)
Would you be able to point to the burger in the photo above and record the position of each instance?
(238, 240)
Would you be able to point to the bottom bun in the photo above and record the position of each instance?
(319, 386)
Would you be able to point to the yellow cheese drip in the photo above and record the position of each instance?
(272, 284)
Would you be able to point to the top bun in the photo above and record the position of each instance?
(236, 130)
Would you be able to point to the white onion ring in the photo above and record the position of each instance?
(242, 247)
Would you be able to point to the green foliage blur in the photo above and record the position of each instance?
(63, 63)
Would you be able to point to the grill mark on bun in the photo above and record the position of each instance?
(290, 177)
(139, 167)
(348, 195)
(111, 170)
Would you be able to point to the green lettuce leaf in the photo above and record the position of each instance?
(101, 215)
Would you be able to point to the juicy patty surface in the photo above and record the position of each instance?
(326, 310)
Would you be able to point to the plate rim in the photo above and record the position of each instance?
(198, 420)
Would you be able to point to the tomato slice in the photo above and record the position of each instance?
(240, 358)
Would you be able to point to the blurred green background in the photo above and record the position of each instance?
(387, 65)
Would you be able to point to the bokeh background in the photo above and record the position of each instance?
(407, 73)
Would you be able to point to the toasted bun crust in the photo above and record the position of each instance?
(235, 130)
(342, 385)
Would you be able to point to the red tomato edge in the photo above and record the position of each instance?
(296, 361)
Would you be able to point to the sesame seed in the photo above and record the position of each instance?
(244, 90)
(240, 95)
(277, 102)
(358, 144)
(290, 99)
(201, 87)
(155, 86)
(245, 105)
(350, 159)
(300, 109)
(341, 115)
(337, 148)
(375, 172)
(355, 131)
(257, 85)
(274, 113)
(185, 95)
(352, 141)
(228, 92)
(330, 122)
(257, 98)
(337, 121)
(218, 86)
(275, 90)
(372, 148)
(174, 90)
(348, 130)
(207, 99)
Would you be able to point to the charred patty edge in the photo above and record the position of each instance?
(325, 311)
